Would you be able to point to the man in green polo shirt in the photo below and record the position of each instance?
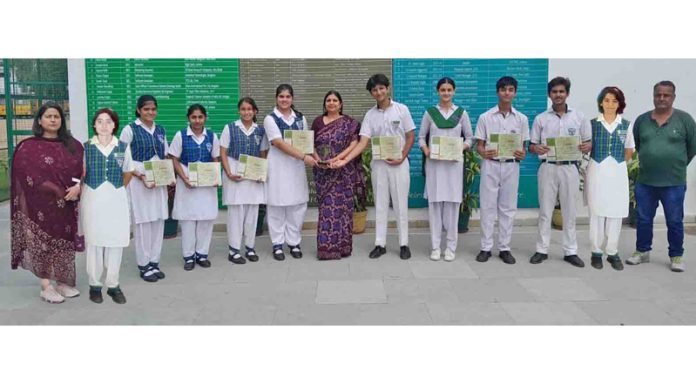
(666, 142)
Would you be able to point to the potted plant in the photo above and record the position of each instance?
(557, 217)
(632, 168)
(472, 168)
(170, 225)
(363, 196)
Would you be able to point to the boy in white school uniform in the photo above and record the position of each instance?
(558, 178)
(390, 177)
(500, 177)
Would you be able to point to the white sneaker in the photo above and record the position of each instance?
(638, 257)
(435, 255)
(51, 296)
(449, 255)
(67, 291)
(677, 265)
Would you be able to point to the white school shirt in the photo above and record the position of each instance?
(199, 203)
(147, 204)
(243, 191)
(395, 120)
(550, 124)
(286, 184)
(495, 121)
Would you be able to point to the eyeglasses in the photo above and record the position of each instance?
(104, 122)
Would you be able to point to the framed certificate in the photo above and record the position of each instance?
(386, 147)
(563, 148)
(302, 140)
(505, 143)
(447, 148)
(252, 168)
(160, 172)
(204, 174)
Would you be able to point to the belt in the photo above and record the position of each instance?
(506, 160)
(560, 162)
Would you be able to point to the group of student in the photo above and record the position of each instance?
(115, 187)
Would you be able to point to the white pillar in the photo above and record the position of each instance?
(77, 94)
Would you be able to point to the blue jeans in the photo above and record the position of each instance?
(672, 199)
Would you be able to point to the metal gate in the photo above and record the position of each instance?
(26, 85)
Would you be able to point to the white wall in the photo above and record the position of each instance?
(636, 78)
(77, 92)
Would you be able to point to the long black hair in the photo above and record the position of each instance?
(288, 87)
(64, 134)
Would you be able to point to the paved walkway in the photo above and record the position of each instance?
(386, 291)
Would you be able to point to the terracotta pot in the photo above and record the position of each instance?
(557, 219)
(359, 222)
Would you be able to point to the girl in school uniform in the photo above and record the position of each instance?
(195, 207)
(104, 206)
(287, 192)
(444, 179)
(242, 197)
(148, 141)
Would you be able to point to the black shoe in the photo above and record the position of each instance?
(203, 261)
(538, 258)
(483, 256)
(251, 255)
(615, 262)
(189, 262)
(296, 252)
(507, 257)
(575, 260)
(596, 260)
(116, 295)
(236, 258)
(147, 274)
(405, 252)
(377, 252)
(95, 294)
(156, 270)
(278, 254)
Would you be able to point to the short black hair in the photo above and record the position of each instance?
(666, 83)
(564, 81)
(619, 97)
(375, 80)
(505, 81)
(445, 80)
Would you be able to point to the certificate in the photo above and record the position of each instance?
(563, 148)
(204, 174)
(447, 148)
(505, 143)
(300, 139)
(252, 168)
(160, 172)
(386, 147)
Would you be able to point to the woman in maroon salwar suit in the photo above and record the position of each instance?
(45, 189)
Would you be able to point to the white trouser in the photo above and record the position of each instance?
(148, 242)
(562, 181)
(241, 221)
(285, 223)
(196, 236)
(99, 257)
(389, 180)
(605, 227)
(498, 196)
(443, 214)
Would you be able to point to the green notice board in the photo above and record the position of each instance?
(176, 83)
